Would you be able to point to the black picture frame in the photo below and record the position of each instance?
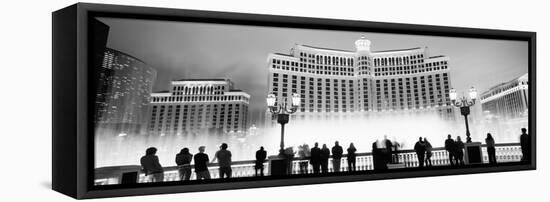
(72, 130)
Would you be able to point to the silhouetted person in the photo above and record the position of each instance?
(151, 166)
(395, 149)
(378, 158)
(303, 153)
(389, 153)
(429, 153)
(325, 155)
(451, 148)
(525, 142)
(183, 160)
(460, 151)
(420, 149)
(351, 157)
(337, 152)
(289, 157)
(315, 158)
(261, 155)
(491, 152)
(224, 161)
(201, 164)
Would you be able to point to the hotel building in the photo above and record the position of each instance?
(342, 83)
(194, 106)
(124, 84)
(507, 100)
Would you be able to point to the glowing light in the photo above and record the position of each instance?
(296, 99)
(473, 93)
(270, 100)
(362, 44)
(452, 94)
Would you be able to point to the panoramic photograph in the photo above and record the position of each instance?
(207, 103)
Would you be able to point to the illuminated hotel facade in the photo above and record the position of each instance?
(340, 83)
(195, 106)
(509, 100)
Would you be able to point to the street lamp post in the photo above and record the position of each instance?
(464, 104)
(282, 111)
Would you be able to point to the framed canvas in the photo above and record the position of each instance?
(157, 100)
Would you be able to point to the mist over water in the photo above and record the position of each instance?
(363, 132)
(114, 150)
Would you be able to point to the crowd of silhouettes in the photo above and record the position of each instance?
(384, 152)
(319, 158)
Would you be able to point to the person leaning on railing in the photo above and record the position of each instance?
(288, 158)
(420, 150)
(151, 166)
(183, 160)
(388, 149)
(337, 152)
(395, 147)
(378, 156)
(491, 152)
(351, 157)
(315, 158)
(201, 164)
(261, 155)
(224, 161)
(450, 146)
(460, 151)
(429, 153)
(303, 153)
(325, 155)
(525, 142)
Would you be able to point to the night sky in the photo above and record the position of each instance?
(181, 50)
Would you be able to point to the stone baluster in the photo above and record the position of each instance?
(296, 166)
(361, 163)
(344, 164)
(518, 153)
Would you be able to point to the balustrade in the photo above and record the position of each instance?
(508, 152)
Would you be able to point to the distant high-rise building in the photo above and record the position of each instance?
(334, 83)
(509, 100)
(195, 106)
(100, 74)
(127, 84)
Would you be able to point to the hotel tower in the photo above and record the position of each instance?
(340, 84)
(195, 106)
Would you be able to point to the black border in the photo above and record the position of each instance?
(83, 142)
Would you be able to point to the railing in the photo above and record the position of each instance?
(112, 175)
(507, 152)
